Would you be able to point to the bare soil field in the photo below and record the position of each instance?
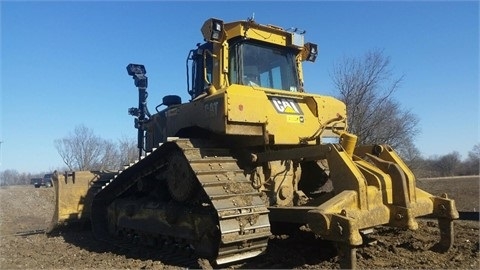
(25, 211)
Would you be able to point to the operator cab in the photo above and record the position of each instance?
(246, 53)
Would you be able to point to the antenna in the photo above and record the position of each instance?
(141, 82)
(251, 19)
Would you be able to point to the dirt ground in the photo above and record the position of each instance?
(25, 211)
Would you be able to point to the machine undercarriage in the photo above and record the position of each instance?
(204, 199)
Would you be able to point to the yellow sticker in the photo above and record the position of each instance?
(295, 118)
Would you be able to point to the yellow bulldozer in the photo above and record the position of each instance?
(249, 155)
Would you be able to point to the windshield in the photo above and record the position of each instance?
(264, 66)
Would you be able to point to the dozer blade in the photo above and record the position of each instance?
(374, 187)
(74, 192)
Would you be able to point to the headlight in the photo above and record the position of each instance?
(312, 51)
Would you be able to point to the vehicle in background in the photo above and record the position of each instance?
(36, 182)
(46, 181)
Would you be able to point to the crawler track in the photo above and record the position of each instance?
(238, 214)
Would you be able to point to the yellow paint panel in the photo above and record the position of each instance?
(281, 112)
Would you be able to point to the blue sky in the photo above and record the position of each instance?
(63, 63)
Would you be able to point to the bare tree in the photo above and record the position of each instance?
(448, 164)
(128, 150)
(65, 150)
(108, 156)
(472, 164)
(8, 177)
(83, 150)
(412, 156)
(366, 86)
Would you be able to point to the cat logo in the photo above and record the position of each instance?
(286, 106)
(212, 108)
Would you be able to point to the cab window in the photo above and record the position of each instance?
(259, 65)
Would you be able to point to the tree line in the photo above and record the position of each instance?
(450, 164)
(82, 150)
(13, 177)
